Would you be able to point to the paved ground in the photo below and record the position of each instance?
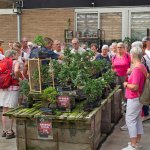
(116, 141)
(119, 139)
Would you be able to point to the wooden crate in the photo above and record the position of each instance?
(35, 74)
(74, 134)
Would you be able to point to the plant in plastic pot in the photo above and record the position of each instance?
(110, 78)
(49, 97)
(24, 91)
(93, 91)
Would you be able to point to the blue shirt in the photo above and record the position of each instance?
(44, 52)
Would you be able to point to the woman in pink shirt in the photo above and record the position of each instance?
(120, 64)
(134, 87)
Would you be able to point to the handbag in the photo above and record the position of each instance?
(145, 96)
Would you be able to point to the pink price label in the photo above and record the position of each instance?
(63, 101)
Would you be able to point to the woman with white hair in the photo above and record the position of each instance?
(146, 61)
(137, 44)
(104, 54)
(134, 87)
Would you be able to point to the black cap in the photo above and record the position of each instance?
(145, 39)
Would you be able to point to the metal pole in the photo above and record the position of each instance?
(19, 27)
(148, 32)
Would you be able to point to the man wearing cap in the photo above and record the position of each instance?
(146, 61)
(1, 49)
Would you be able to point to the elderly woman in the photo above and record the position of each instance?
(9, 96)
(120, 64)
(113, 50)
(134, 87)
(104, 54)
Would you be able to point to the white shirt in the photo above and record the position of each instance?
(147, 52)
(80, 50)
(21, 60)
(147, 58)
(61, 54)
(1, 56)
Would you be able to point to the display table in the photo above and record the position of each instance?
(77, 130)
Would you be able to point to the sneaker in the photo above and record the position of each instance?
(130, 148)
(138, 145)
(10, 135)
(124, 128)
(4, 134)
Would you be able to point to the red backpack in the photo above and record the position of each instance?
(5, 73)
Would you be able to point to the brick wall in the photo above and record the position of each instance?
(6, 4)
(8, 29)
(46, 22)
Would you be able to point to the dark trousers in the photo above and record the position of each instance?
(146, 110)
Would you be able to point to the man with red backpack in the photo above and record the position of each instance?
(9, 89)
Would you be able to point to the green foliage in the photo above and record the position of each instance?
(24, 87)
(109, 77)
(129, 41)
(50, 94)
(76, 71)
(39, 40)
(93, 88)
(77, 68)
(45, 75)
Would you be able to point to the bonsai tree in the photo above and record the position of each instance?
(93, 90)
(24, 91)
(45, 75)
(50, 94)
(110, 78)
(24, 88)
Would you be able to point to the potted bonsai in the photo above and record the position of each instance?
(93, 91)
(110, 78)
(24, 91)
(45, 77)
(49, 97)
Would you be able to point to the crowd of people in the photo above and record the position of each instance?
(130, 67)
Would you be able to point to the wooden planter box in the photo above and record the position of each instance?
(116, 106)
(71, 131)
(80, 134)
(106, 117)
(111, 111)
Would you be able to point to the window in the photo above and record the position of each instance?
(140, 21)
(87, 24)
(111, 24)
